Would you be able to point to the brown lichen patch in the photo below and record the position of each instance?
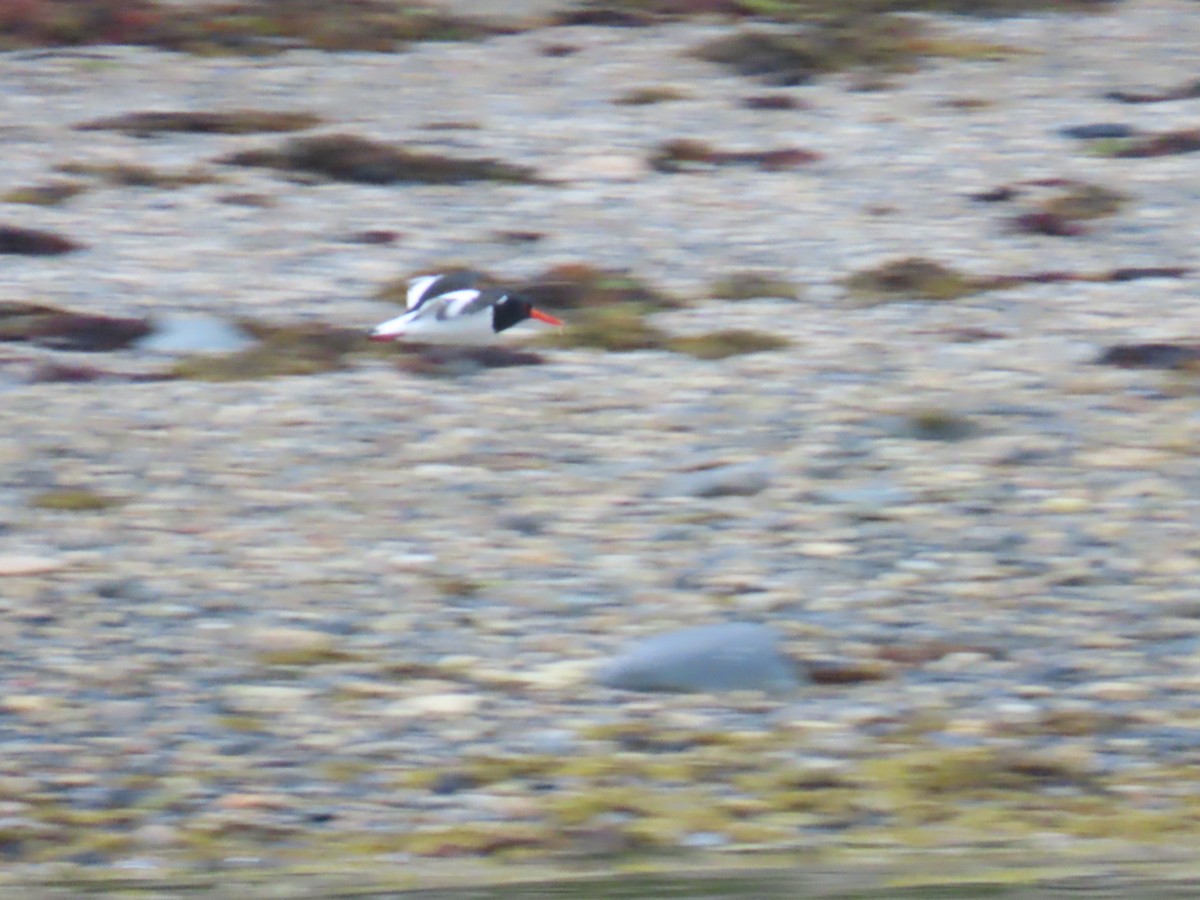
(1075, 723)
(913, 278)
(931, 423)
(1108, 276)
(1159, 355)
(236, 121)
(236, 26)
(306, 349)
(881, 43)
(1083, 201)
(629, 13)
(1059, 207)
(34, 242)
(967, 104)
(572, 286)
(519, 236)
(483, 839)
(1168, 143)
(62, 330)
(848, 672)
(923, 653)
(621, 328)
(347, 157)
(51, 193)
(980, 773)
(373, 237)
(648, 96)
(1047, 224)
(1187, 91)
(119, 174)
(752, 285)
(687, 155)
(72, 500)
(726, 343)
(248, 199)
(455, 361)
(773, 102)
(60, 373)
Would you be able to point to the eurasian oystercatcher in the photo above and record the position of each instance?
(451, 309)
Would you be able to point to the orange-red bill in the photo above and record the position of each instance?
(544, 317)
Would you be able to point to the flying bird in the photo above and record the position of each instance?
(451, 308)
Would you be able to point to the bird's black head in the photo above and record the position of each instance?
(509, 311)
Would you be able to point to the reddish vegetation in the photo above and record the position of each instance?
(31, 242)
(347, 157)
(1047, 223)
(684, 155)
(73, 331)
(773, 102)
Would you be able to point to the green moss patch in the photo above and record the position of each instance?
(913, 278)
(73, 500)
(648, 96)
(282, 350)
(729, 342)
(120, 174)
(51, 193)
(346, 157)
(798, 57)
(752, 286)
(935, 424)
(839, 43)
(235, 27)
(624, 328)
(238, 121)
(574, 286)
(618, 328)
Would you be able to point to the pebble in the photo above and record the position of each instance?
(723, 657)
(264, 699)
(451, 705)
(19, 564)
(735, 479)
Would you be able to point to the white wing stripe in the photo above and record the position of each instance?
(417, 288)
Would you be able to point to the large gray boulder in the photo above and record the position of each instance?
(728, 656)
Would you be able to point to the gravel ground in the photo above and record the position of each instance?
(356, 616)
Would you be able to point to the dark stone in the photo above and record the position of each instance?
(1098, 131)
(32, 242)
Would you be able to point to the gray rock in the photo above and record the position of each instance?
(179, 333)
(740, 479)
(724, 657)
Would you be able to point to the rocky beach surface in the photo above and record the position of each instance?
(919, 579)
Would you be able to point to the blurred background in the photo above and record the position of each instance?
(840, 542)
